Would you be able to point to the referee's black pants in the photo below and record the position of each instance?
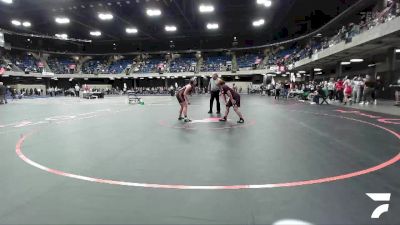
(215, 94)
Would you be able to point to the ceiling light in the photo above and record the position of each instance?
(95, 33)
(356, 60)
(62, 36)
(372, 65)
(153, 12)
(206, 8)
(266, 3)
(397, 50)
(212, 26)
(7, 1)
(302, 71)
(105, 16)
(170, 28)
(16, 22)
(317, 69)
(26, 24)
(131, 30)
(258, 23)
(62, 20)
(345, 63)
(319, 73)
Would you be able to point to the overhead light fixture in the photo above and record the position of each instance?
(258, 23)
(319, 73)
(62, 36)
(302, 71)
(16, 22)
(62, 20)
(170, 28)
(317, 69)
(206, 8)
(212, 26)
(372, 65)
(95, 33)
(266, 3)
(153, 12)
(131, 30)
(7, 1)
(397, 50)
(26, 24)
(356, 60)
(345, 63)
(105, 16)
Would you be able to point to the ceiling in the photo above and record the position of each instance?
(285, 18)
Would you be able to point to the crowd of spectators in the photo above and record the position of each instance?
(276, 57)
(363, 90)
(367, 21)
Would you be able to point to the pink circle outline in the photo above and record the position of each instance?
(396, 158)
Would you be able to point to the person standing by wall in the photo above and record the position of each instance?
(3, 91)
(369, 85)
(77, 89)
(214, 91)
(379, 88)
(339, 90)
(331, 89)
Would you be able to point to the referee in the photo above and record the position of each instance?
(214, 90)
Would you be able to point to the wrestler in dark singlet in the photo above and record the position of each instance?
(182, 97)
(234, 101)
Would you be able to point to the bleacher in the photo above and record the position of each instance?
(151, 65)
(59, 65)
(248, 60)
(214, 63)
(182, 64)
(119, 66)
(25, 63)
(97, 66)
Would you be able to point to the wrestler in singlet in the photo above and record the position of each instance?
(225, 88)
(179, 94)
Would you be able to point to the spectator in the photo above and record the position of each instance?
(331, 89)
(339, 90)
(369, 85)
(379, 87)
(77, 89)
(3, 92)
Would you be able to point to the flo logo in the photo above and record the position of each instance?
(379, 197)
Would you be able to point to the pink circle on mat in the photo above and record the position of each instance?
(387, 163)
